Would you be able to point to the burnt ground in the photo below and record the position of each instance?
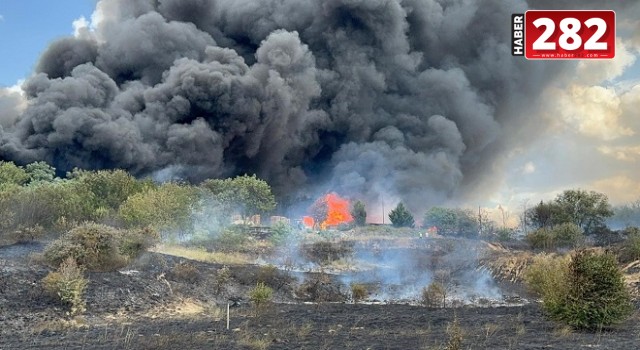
(150, 305)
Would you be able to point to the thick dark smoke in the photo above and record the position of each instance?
(410, 98)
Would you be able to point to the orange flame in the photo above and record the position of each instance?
(308, 221)
(337, 211)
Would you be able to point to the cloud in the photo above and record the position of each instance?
(593, 111)
(12, 104)
(619, 188)
(81, 28)
(591, 72)
(622, 153)
(529, 168)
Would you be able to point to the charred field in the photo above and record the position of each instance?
(177, 299)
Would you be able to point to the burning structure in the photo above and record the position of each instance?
(330, 210)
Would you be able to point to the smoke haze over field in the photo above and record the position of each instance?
(415, 99)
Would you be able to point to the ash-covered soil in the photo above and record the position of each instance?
(155, 304)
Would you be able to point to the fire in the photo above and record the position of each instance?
(332, 210)
(308, 221)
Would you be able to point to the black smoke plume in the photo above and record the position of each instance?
(409, 98)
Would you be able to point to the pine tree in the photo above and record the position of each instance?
(359, 213)
(401, 217)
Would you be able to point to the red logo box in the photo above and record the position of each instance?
(557, 35)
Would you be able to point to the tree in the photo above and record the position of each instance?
(110, 187)
(11, 174)
(40, 172)
(167, 208)
(359, 213)
(401, 217)
(246, 194)
(453, 221)
(445, 219)
(588, 210)
(544, 215)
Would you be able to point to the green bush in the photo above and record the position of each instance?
(547, 277)
(233, 239)
(68, 285)
(588, 292)
(261, 294)
(167, 208)
(280, 232)
(359, 213)
(630, 249)
(99, 247)
(567, 235)
(110, 187)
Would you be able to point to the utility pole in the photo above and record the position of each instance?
(480, 221)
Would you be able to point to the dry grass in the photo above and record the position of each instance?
(185, 309)
(202, 255)
(256, 343)
(59, 325)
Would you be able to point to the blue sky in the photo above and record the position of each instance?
(28, 26)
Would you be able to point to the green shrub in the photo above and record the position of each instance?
(231, 239)
(586, 292)
(261, 294)
(359, 213)
(597, 295)
(280, 232)
(564, 235)
(359, 292)
(505, 234)
(99, 247)
(547, 276)
(167, 208)
(110, 188)
(68, 285)
(630, 250)
(567, 235)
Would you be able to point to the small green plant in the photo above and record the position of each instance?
(260, 295)
(222, 278)
(67, 284)
(359, 292)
